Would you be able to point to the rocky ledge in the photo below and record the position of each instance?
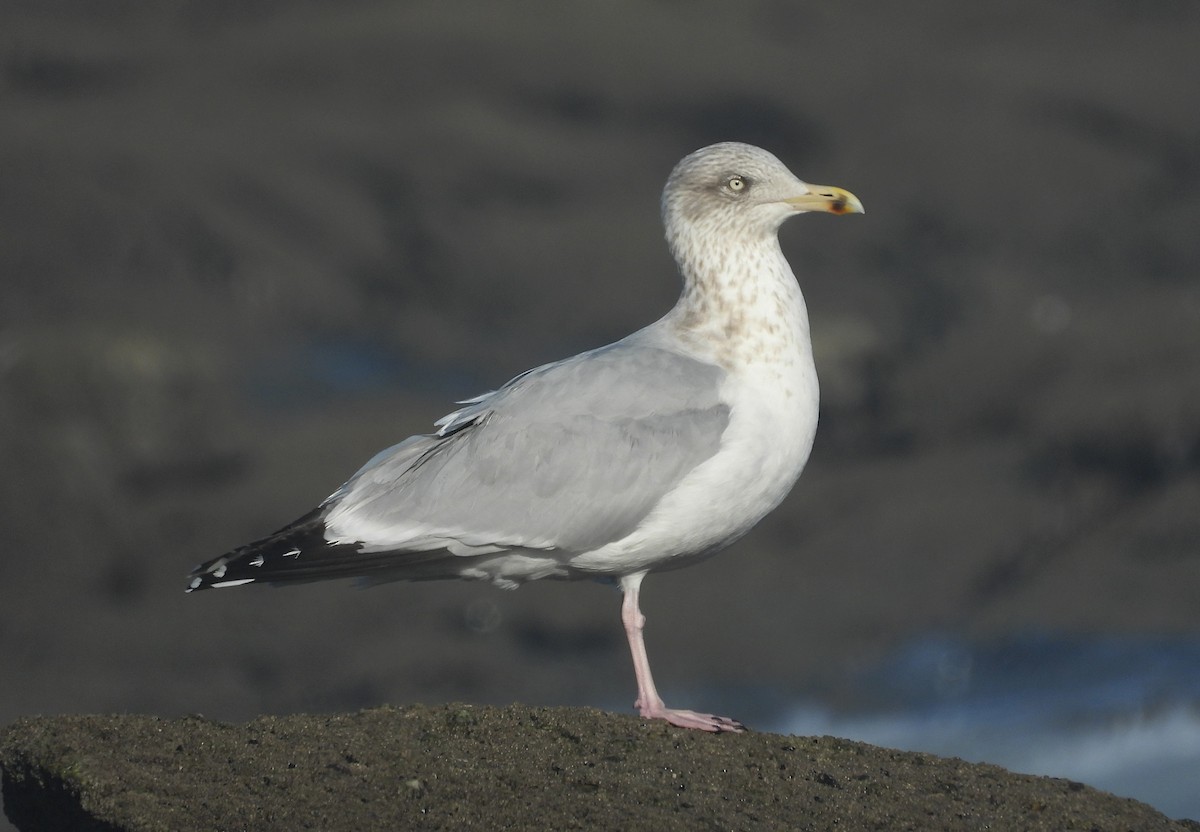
(467, 767)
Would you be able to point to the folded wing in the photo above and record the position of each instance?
(563, 459)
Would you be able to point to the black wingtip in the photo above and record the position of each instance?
(271, 559)
(301, 553)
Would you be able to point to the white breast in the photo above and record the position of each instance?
(773, 396)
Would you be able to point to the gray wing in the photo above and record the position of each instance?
(568, 456)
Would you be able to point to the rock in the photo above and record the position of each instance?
(518, 767)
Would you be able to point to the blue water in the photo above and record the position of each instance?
(1121, 714)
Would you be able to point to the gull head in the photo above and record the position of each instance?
(744, 189)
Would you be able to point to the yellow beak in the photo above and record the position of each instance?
(827, 198)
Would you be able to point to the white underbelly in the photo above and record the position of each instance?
(773, 420)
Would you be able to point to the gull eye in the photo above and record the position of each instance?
(737, 184)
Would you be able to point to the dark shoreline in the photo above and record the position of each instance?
(464, 767)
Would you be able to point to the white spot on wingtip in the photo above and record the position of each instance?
(257, 560)
(238, 582)
(195, 584)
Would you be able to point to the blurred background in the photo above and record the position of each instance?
(246, 245)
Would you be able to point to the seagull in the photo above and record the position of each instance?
(645, 455)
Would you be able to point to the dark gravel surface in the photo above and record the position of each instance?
(459, 767)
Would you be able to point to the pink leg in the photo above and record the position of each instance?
(649, 703)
